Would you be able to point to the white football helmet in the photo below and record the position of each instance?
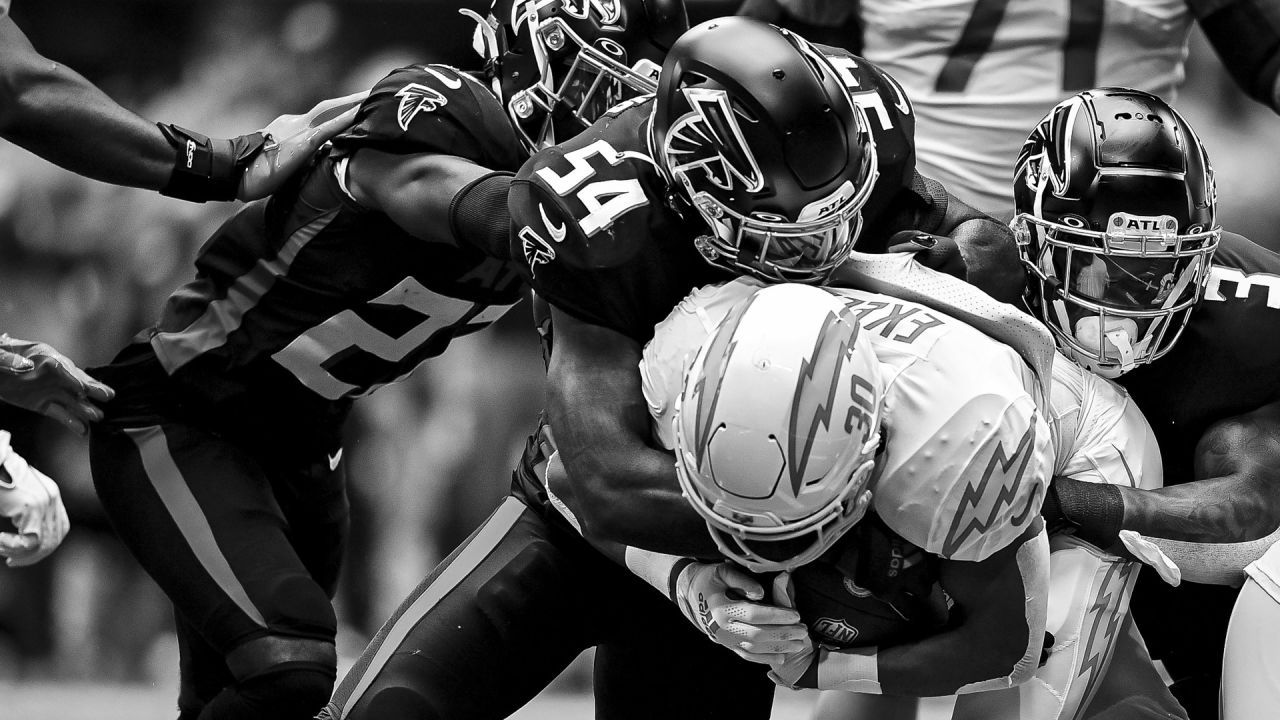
(777, 427)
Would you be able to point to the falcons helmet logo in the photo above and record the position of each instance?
(710, 138)
(415, 98)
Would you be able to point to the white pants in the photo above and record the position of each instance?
(1251, 661)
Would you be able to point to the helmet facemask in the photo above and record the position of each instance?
(1120, 298)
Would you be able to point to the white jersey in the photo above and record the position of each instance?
(967, 453)
(974, 109)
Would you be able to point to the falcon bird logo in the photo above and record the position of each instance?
(415, 98)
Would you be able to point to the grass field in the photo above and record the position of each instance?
(83, 701)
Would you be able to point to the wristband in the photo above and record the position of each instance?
(852, 670)
(207, 169)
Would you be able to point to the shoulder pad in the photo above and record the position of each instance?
(434, 109)
(968, 454)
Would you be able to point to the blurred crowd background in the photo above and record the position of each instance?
(84, 266)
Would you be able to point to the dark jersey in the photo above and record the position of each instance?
(600, 242)
(308, 299)
(1225, 362)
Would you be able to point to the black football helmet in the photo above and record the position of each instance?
(1115, 216)
(557, 65)
(756, 130)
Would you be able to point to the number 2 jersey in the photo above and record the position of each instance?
(307, 299)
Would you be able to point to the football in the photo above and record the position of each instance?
(872, 588)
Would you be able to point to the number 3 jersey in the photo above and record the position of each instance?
(593, 223)
(307, 299)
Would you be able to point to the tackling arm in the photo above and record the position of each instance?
(1001, 604)
(619, 487)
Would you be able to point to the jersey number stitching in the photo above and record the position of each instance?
(604, 200)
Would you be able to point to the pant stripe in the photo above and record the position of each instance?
(169, 484)
(479, 548)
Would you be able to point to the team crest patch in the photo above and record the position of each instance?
(836, 630)
(415, 98)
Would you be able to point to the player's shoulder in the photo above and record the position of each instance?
(434, 108)
(1241, 305)
(968, 452)
(589, 202)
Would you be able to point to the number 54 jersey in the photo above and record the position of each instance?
(307, 299)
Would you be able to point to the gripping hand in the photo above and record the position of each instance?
(291, 140)
(724, 601)
(31, 500)
(37, 377)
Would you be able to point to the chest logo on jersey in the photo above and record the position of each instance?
(416, 98)
(1244, 285)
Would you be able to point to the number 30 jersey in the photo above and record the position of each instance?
(982, 73)
(600, 241)
(309, 299)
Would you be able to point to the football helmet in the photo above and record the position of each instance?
(777, 427)
(557, 65)
(755, 129)
(1115, 217)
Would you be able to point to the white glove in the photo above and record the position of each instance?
(723, 601)
(790, 667)
(1149, 553)
(292, 140)
(31, 500)
(37, 377)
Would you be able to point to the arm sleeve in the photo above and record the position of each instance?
(478, 215)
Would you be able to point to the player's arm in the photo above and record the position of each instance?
(54, 112)
(1210, 528)
(1246, 36)
(434, 197)
(995, 639)
(619, 487)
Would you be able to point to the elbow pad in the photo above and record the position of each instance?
(1246, 36)
(478, 215)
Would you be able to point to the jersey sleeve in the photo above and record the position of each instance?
(1100, 434)
(593, 237)
(434, 109)
(968, 454)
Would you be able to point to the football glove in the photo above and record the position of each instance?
(724, 601)
(37, 377)
(813, 667)
(31, 500)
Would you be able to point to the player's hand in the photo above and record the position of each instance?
(31, 500)
(793, 668)
(937, 252)
(723, 601)
(37, 377)
(291, 141)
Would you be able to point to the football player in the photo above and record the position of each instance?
(219, 460)
(776, 484)
(980, 72)
(1118, 231)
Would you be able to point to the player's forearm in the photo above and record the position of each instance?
(986, 244)
(62, 117)
(1246, 35)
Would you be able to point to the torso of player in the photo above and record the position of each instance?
(981, 73)
(310, 293)
(1224, 363)
(967, 455)
(599, 239)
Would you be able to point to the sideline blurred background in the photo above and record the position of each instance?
(84, 266)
